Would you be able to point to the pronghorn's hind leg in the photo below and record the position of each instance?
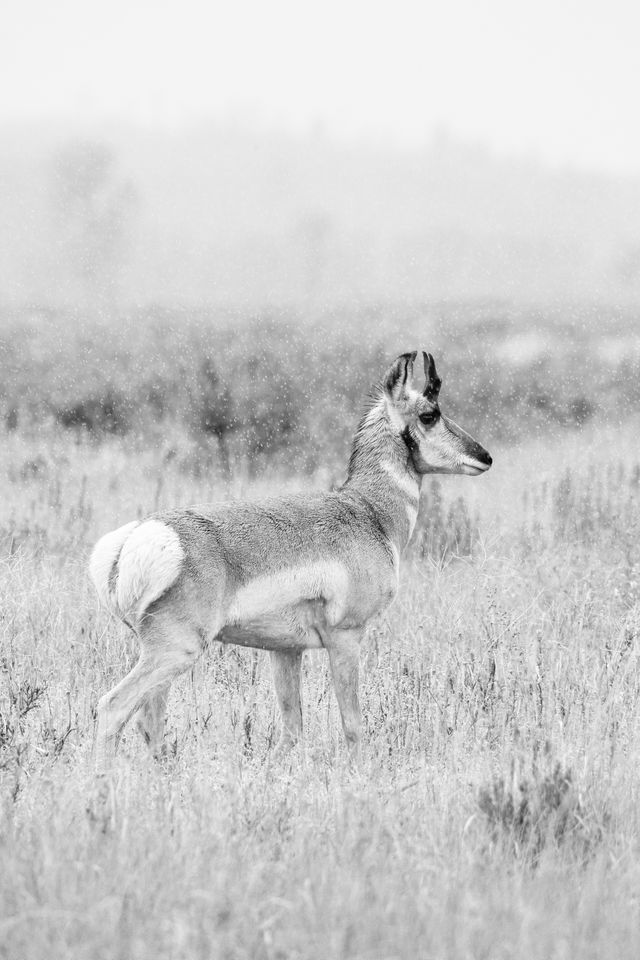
(286, 669)
(343, 647)
(168, 647)
(151, 718)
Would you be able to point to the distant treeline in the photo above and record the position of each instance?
(231, 388)
(223, 215)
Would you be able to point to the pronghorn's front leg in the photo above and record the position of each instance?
(343, 647)
(285, 667)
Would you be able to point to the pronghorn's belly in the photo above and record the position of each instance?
(290, 628)
(292, 607)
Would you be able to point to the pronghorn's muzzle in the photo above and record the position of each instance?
(474, 458)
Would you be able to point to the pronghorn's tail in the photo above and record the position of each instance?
(134, 565)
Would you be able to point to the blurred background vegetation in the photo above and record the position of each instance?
(218, 389)
(222, 389)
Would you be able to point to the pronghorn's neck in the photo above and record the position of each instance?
(381, 470)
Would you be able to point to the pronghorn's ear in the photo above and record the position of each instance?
(399, 375)
(433, 381)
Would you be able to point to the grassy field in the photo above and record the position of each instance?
(497, 811)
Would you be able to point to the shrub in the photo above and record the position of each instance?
(532, 814)
(103, 413)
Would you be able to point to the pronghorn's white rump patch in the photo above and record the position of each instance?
(150, 562)
(325, 579)
(103, 556)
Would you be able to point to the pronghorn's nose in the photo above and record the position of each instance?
(480, 455)
(475, 459)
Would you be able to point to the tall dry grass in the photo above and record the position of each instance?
(496, 814)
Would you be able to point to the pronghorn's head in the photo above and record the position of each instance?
(435, 443)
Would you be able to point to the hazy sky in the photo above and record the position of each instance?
(557, 78)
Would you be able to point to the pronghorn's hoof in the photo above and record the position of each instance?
(286, 757)
(101, 806)
(285, 747)
(355, 762)
(353, 765)
(166, 751)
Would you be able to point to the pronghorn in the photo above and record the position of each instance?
(285, 574)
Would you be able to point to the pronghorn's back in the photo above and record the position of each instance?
(283, 574)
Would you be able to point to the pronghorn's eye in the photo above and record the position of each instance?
(429, 418)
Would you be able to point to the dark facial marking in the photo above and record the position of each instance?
(407, 436)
